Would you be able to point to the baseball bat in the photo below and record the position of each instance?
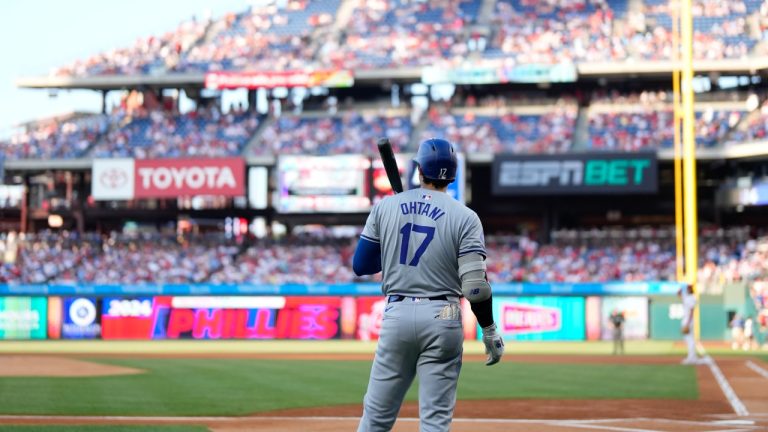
(390, 164)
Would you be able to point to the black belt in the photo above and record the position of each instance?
(399, 298)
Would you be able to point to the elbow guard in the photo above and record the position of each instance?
(474, 284)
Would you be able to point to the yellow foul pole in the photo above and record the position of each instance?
(678, 162)
(690, 213)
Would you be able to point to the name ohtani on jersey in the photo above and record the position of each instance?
(422, 208)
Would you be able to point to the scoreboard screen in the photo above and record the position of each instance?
(319, 184)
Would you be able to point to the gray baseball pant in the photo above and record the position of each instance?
(415, 339)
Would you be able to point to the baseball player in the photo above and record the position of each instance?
(617, 320)
(431, 251)
(686, 325)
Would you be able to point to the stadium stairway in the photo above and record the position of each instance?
(115, 124)
(255, 140)
(213, 29)
(635, 7)
(738, 127)
(102, 137)
(760, 49)
(418, 131)
(486, 12)
(732, 138)
(343, 14)
(581, 134)
(330, 37)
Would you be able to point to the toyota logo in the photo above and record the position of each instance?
(113, 178)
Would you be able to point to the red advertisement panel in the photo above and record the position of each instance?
(222, 318)
(594, 319)
(129, 317)
(469, 320)
(168, 178)
(256, 80)
(370, 311)
(55, 317)
(380, 186)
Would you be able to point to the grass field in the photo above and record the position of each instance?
(225, 387)
(186, 378)
(178, 347)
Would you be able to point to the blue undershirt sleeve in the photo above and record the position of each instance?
(367, 259)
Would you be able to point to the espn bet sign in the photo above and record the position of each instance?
(586, 173)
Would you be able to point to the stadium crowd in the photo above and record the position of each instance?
(554, 32)
(265, 37)
(160, 133)
(550, 132)
(301, 34)
(148, 55)
(68, 137)
(571, 256)
(349, 132)
(627, 122)
(645, 120)
(396, 33)
(755, 128)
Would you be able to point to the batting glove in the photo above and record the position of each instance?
(494, 345)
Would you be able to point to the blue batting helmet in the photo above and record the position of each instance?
(437, 159)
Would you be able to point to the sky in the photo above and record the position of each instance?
(39, 35)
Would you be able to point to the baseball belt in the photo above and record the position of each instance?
(399, 298)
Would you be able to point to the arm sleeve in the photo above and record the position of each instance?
(472, 239)
(367, 259)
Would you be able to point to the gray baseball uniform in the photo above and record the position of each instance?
(421, 234)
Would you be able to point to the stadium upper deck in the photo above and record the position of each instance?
(384, 34)
(389, 34)
(625, 122)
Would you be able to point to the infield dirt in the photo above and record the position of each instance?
(57, 366)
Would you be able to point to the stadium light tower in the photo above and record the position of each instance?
(686, 206)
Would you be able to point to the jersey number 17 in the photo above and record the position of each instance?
(406, 233)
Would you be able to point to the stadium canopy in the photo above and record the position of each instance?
(650, 69)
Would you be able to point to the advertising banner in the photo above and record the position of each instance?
(273, 79)
(127, 317)
(380, 186)
(635, 310)
(475, 75)
(308, 184)
(578, 173)
(370, 311)
(168, 317)
(23, 317)
(258, 188)
(668, 289)
(594, 318)
(112, 179)
(540, 318)
(171, 178)
(55, 317)
(125, 179)
(536, 73)
(81, 318)
(528, 73)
